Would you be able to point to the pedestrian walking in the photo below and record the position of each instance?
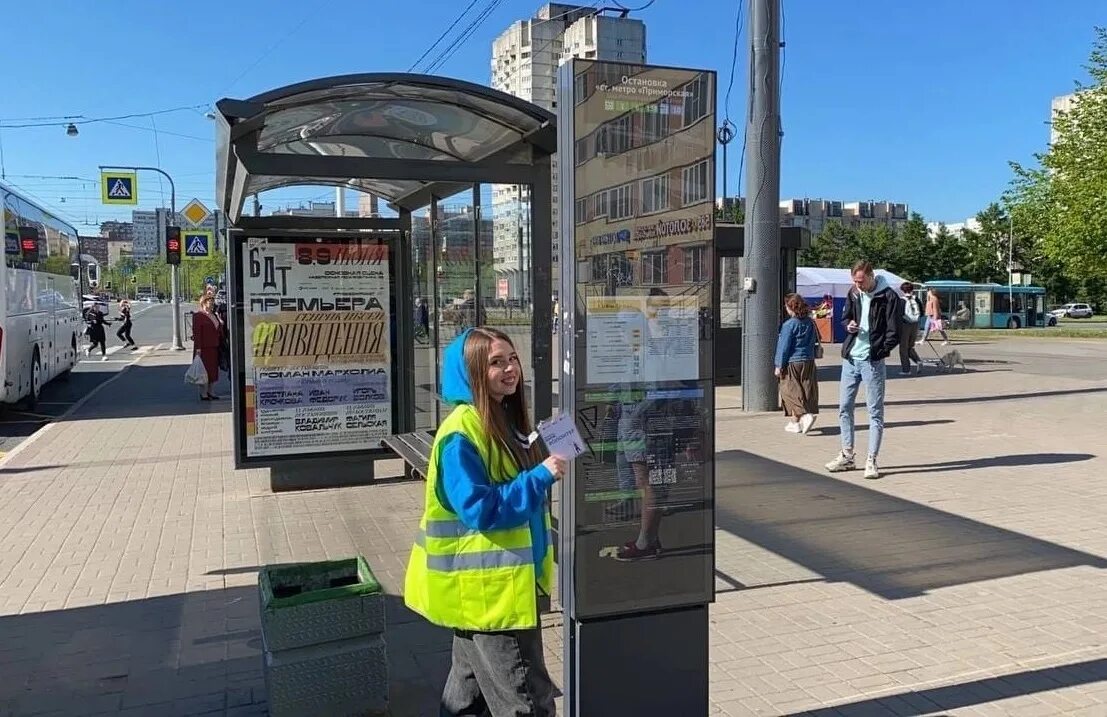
(483, 552)
(124, 332)
(97, 334)
(795, 366)
(207, 336)
(872, 319)
(909, 329)
(934, 317)
(422, 319)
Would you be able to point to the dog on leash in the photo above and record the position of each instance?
(950, 359)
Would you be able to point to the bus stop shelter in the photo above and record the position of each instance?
(337, 323)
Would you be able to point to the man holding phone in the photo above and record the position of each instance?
(871, 318)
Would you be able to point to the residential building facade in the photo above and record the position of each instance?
(815, 214)
(525, 61)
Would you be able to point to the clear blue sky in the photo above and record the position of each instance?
(921, 102)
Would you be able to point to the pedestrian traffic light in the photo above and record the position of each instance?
(28, 244)
(173, 245)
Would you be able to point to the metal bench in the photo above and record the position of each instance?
(414, 449)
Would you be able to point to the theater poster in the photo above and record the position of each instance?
(317, 358)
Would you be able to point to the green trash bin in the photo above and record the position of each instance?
(322, 627)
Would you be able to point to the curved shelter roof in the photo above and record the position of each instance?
(403, 137)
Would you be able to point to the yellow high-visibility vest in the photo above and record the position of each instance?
(471, 579)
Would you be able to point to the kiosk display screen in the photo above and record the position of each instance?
(639, 367)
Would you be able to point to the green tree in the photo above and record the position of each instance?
(835, 246)
(948, 256)
(1064, 200)
(911, 254)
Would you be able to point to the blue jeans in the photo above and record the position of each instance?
(873, 374)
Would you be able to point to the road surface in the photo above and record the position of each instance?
(152, 328)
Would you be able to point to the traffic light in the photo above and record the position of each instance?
(173, 245)
(28, 244)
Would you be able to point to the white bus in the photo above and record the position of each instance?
(40, 315)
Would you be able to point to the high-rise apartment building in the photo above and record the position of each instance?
(525, 60)
(147, 233)
(1064, 103)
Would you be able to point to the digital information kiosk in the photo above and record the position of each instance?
(637, 186)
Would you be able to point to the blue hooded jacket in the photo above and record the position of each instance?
(464, 486)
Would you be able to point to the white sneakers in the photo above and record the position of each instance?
(845, 462)
(842, 462)
(803, 425)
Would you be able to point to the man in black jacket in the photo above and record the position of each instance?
(871, 318)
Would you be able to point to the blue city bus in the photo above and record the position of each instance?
(989, 306)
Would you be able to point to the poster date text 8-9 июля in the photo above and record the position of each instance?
(306, 254)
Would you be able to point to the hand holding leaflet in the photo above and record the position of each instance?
(561, 436)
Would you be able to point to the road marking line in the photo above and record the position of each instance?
(6, 457)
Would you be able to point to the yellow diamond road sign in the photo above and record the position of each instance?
(195, 212)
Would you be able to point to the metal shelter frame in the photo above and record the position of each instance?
(411, 140)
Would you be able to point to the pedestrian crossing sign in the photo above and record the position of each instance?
(197, 244)
(118, 187)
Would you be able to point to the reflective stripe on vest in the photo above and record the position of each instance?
(475, 561)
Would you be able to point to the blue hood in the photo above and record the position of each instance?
(455, 376)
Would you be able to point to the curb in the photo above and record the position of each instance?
(71, 410)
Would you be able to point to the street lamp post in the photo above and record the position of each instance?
(177, 346)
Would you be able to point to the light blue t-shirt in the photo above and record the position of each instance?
(862, 345)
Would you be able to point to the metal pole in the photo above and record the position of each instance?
(762, 255)
(177, 346)
(1010, 262)
(340, 202)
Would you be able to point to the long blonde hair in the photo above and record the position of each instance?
(501, 422)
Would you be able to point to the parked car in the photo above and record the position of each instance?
(1073, 310)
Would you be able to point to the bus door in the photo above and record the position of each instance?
(50, 353)
(1035, 310)
(982, 315)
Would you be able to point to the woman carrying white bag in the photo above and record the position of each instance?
(207, 333)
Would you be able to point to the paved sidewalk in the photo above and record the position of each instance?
(969, 581)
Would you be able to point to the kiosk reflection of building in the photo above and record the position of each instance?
(653, 231)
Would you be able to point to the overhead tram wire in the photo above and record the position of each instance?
(92, 120)
(734, 57)
(464, 37)
(442, 36)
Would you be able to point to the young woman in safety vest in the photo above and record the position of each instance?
(483, 550)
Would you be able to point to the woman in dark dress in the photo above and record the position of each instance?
(97, 336)
(124, 332)
(207, 335)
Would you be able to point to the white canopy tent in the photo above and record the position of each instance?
(818, 282)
